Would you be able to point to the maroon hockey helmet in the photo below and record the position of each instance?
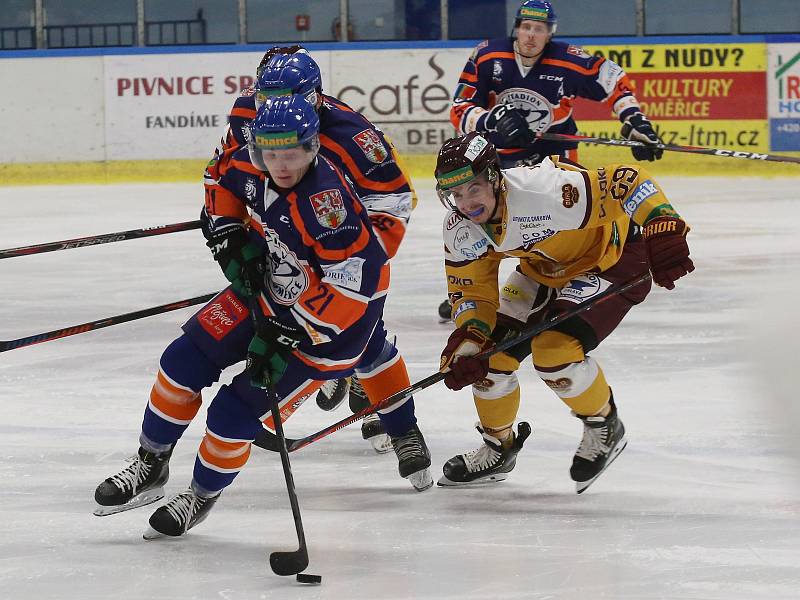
(462, 159)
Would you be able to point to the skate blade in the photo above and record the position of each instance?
(481, 481)
(381, 443)
(421, 480)
(152, 534)
(142, 499)
(581, 486)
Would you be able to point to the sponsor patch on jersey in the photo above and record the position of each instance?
(222, 315)
(462, 242)
(642, 192)
(371, 145)
(464, 307)
(464, 91)
(347, 274)
(452, 221)
(329, 208)
(250, 189)
(582, 288)
(569, 195)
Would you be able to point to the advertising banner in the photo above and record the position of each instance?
(700, 94)
(784, 96)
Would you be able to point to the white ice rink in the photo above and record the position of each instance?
(703, 504)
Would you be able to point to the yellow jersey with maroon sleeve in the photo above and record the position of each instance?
(559, 219)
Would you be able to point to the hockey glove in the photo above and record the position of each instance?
(637, 127)
(463, 368)
(240, 259)
(269, 350)
(667, 250)
(510, 124)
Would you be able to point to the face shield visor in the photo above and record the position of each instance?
(454, 187)
(282, 150)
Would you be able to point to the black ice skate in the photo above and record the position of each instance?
(414, 458)
(138, 484)
(332, 394)
(487, 464)
(180, 514)
(371, 427)
(603, 440)
(445, 311)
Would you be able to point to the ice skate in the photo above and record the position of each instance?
(332, 394)
(179, 515)
(603, 440)
(487, 464)
(371, 427)
(414, 458)
(445, 312)
(138, 484)
(372, 430)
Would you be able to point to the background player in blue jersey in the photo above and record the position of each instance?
(364, 154)
(308, 284)
(513, 88)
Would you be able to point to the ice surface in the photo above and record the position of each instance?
(703, 504)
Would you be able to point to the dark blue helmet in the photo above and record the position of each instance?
(283, 122)
(286, 74)
(536, 10)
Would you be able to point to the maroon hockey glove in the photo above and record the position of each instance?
(667, 250)
(458, 357)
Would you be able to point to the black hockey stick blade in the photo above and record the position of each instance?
(563, 137)
(100, 323)
(288, 563)
(265, 439)
(95, 240)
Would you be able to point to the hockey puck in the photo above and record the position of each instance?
(306, 578)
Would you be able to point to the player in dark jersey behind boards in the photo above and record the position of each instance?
(575, 233)
(366, 157)
(513, 88)
(300, 253)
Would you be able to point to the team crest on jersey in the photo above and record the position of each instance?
(538, 112)
(371, 145)
(248, 91)
(288, 279)
(577, 51)
(329, 208)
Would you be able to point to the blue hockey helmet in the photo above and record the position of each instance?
(286, 74)
(537, 10)
(281, 123)
(274, 51)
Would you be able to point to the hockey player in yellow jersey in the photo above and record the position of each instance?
(575, 233)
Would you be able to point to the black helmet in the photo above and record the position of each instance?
(462, 159)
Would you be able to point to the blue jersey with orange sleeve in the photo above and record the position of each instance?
(544, 92)
(359, 149)
(328, 272)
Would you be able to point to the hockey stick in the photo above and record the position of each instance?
(287, 563)
(267, 441)
(562, 137)
(100, 323)
(94, 240)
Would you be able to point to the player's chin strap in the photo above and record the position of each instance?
(268, 441)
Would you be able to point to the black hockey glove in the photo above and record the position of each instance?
(510, 124)
(637, 127)
(269, 350)
(240, 259)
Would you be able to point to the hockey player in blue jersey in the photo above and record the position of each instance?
(513, 88)
(363, 153)
(298, 247)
